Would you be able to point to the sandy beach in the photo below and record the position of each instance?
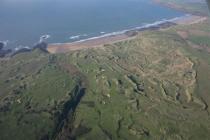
(189, 20)
(100, 41)
(92, 43)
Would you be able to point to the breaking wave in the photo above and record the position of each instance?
(5, 43)
(77, 36)
(145, 26)
(44, 38)
(21, 47)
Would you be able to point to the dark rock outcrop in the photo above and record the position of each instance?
(3, 53)
(42, 46)
(1, 45)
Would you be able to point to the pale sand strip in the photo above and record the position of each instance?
(189, 20)
(66, 47)
(99, 42)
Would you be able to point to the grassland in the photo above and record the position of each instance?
(152, 87)
(144, 89)
(33, 91)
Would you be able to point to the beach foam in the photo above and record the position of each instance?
(77, 36)
(5, 42)
(74, 37)
(21, 47)
(145, 26)
(44, 37)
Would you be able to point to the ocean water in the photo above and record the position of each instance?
(25, 22)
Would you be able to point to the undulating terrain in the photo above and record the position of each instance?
(198, 7)
(152, 87)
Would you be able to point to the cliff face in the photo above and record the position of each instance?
(41, 46)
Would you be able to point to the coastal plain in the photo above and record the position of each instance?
(151, 86)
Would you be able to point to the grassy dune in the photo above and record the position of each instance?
(143, 89)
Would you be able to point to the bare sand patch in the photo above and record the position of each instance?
(183, 34)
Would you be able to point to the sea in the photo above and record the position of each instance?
(23, 23)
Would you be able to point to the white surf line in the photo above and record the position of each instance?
(5, 43)
(44, 37)
(149, 25)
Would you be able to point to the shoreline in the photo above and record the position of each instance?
(178, 7)
(101, 40)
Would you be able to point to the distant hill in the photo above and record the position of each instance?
(198, 7)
